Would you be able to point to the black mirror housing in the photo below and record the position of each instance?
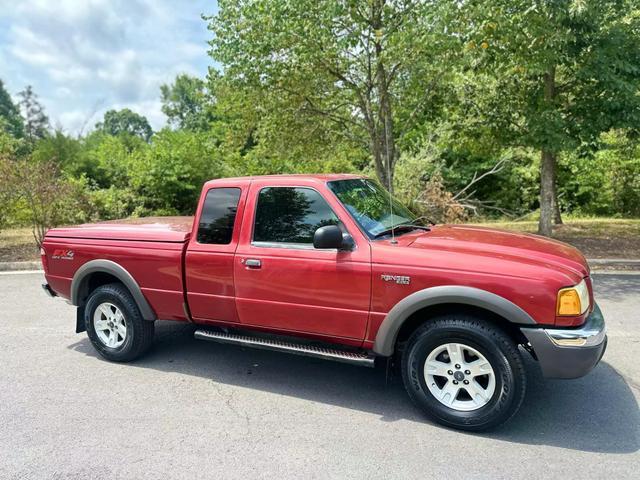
(328, 237)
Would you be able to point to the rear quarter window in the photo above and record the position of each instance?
(218, 216)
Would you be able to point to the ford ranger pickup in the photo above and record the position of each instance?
(332, 266)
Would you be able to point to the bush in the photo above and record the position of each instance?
(168, 176)
(419, 184)
(604, 183)
(49, 198)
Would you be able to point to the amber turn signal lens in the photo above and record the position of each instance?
(573, 300)
(569, 302)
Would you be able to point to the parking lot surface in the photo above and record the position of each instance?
(192, 409)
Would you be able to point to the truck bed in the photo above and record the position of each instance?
(151, 249)
(149, 229)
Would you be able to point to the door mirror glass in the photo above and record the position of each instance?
(329, 236)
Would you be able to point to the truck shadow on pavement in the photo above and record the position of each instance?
(597, 413)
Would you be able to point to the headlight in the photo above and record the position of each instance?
(573, 300)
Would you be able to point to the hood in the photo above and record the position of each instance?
(501, 244)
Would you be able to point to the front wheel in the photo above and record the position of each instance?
(115, 325)
(464, 373)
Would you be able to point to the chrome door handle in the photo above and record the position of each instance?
(252, 263)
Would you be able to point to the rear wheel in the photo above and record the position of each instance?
(115, 325)
(464, 373)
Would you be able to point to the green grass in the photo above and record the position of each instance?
(17, 245)
(595, 237)
(578, 227)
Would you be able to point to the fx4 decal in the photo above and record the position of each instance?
(61, 254)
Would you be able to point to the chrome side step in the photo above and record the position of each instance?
(353, 358)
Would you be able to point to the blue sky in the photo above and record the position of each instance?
(84, 57)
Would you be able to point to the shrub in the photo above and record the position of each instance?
(49, 198)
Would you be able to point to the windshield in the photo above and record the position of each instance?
(369, 205)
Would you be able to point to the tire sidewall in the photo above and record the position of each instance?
(110, 295)
(506, 390)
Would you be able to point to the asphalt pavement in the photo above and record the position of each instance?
(192, 409)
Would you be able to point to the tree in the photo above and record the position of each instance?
(125, 122)
(10, 119)
(365, 72)
(36, 123)
(186, 103)
(561, 73)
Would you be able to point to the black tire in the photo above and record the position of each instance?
(139, 332)
(498, 349)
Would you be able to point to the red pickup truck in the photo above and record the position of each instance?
(332, 266)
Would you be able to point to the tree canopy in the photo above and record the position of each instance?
(10, 119)
(36, 123)
(186, 103)
(362, 73)
(125, 122)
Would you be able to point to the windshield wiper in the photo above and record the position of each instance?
(402, 227)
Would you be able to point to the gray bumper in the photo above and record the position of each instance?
(569, 352)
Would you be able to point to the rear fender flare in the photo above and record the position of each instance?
(388, 332)
(80, 284)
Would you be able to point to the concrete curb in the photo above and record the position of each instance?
(627, 262)
(17, 266)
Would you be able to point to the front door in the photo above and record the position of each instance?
(283, 282)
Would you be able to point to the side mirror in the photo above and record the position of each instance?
(328, 237)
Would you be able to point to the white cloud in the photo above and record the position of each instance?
(80, 54)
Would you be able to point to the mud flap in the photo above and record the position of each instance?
(80, 326)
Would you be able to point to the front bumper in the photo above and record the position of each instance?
(569, 352)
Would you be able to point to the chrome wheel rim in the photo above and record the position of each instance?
(110, 325)
(459, 377)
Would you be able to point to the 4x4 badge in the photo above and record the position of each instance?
(399, 279)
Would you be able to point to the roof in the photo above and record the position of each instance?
(323, 177)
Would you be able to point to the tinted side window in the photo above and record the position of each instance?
(218, 215)
(290, 215)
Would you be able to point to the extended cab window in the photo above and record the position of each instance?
(218, 215)
(290, 215)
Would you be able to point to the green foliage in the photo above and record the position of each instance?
(586, 52)
(42, 195)
(36, 123)
(436, 93)
(607, 183)
(125, 122)
(10, 119)
(186, 104)
(169, 174)
(113, 202)
(320, 73)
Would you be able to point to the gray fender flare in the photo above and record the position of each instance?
(79, 284)
(388, 331)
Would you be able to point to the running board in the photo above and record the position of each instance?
(353, 358)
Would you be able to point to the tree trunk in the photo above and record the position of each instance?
(547, 187)
(557, 216)
(549, 209)
(384, 145)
